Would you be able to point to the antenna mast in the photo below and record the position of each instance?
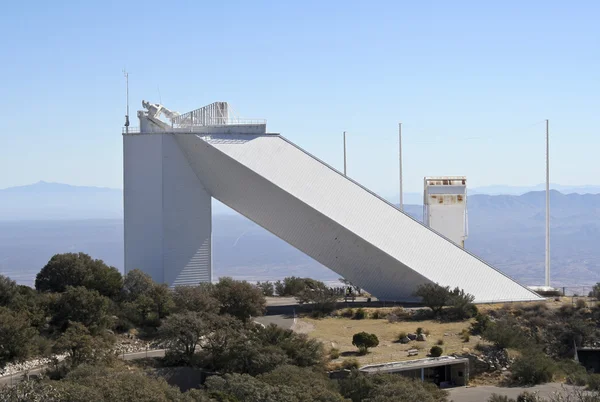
(344, 153)
(126, 74)
(547, 206)
(400, 163)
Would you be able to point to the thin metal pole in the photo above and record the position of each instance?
(127, 100)
(547, 204)
(344, 153)
(400, 163)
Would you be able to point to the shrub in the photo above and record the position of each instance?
(363, 341)
(349, 364)
(419, 331)
(435, 351)
(348, 313)
(433, 296)
(505, 334)
(575, 373)
(532, 368)
(401, 313)
(465, 335)
(360, 314)
(440, 342)
(529, 397)
(401, 335)
(499, 398)
(377, 315)
(334, 353)
(461, 305)
(392, 318)
(267, 288)
(426, 332)
(593, 382)
(580, 303)
(482, 322)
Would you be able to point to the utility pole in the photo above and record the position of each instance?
(126, 74)
(344, 153)
(547, 204)
(400, 163)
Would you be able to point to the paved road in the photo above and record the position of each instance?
(481, 394)
(280, 311)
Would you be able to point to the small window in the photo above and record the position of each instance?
(460, 373)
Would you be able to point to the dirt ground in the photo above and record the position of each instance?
(338, 332)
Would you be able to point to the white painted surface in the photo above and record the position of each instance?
(445, 207)
(187, 221)
(142, 195)
(336, 221)
(167, 212)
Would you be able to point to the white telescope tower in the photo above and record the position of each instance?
(445, 207)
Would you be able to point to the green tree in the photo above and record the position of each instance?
(306, 382)
(107, 280)
(363, 341)
(8, 290)
(78, 269)
(195, 298)
(239, 299)
(122, 383)
(82, 305)
(182, 332)
(267, 288)
(16, 336)
(595, 291)
(323, 299)
(461, 305)
(136, 283)
(387, 388)
(302, 350)
(236, 387)
(81, 347)
(34, 391)
(163, 300)
(433, 296)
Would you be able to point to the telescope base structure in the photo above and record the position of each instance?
(170, 178)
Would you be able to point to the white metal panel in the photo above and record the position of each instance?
(142, 195)
(336, 221)
(167, 212)
(448, 220)
(186, 220)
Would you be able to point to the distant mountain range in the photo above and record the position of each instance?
(506, 230)
(417, 198)
(57, 201)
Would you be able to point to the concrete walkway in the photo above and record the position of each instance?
(481, 394)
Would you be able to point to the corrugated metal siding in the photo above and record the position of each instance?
(186, 220)
(335, 221)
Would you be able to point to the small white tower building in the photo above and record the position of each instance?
(445, 206)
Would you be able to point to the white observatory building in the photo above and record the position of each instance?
(173, 167)
(445, 207)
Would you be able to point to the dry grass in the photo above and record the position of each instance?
(337, 332)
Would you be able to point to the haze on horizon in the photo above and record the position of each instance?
(472, 83)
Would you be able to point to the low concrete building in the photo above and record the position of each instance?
(444, 371)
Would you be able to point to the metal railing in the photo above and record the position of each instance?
(218, 121)
(198, 127)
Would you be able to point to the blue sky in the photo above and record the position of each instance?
(472, 82)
